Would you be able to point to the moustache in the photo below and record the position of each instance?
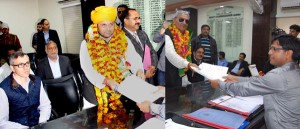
(137, 24)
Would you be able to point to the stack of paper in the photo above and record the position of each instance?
(211, 72)
(216, 118)
(241, 105)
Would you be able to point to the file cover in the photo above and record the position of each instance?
(216, 118)
(240, 105)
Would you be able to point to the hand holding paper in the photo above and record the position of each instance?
(211, 72)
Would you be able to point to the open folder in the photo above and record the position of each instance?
(138, 90)
(237, 104)
(218, 119)
(211, 72)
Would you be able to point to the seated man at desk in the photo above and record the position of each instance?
(23, 99)
(280, 87)
(239, 67)
(54, 65)
(197, 56)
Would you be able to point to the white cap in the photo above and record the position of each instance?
(5, 25)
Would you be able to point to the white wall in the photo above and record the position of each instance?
(21, 16)
(247, 23)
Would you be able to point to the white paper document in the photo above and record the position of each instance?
(172, 125)
(152, 123)
(138, 90)
(211, 72)
(241, 105)
(253, 70)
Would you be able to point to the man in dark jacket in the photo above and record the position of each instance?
(44, 37)
(209, 44)
(240, 67)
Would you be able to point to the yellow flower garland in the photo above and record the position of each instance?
(181, 44)
(105, 60)
(181, 41)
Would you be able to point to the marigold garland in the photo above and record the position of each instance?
(182, 45)
(105, 59)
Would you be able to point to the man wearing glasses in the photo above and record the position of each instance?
(24, 102)
(209, 44)
(178, 50)
(140, 42)
(280, 87)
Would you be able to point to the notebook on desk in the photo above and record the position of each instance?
(218, 119)
(241, 105)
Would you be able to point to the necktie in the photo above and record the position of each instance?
(138, 40)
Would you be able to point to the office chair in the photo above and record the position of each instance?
(63, 94)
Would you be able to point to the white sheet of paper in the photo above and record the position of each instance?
(138, 90)
(253, 70)
(152, 123)
(1, 70)
(211, 72)
(172, 125)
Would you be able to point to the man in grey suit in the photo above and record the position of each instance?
(279, 87)
(54, 65)
(140, 42)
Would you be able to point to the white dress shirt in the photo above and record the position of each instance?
(44, 108)
(96, 78)
(172, 55)
(55, 67)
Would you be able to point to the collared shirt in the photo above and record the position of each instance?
(222, 62)
(44, 108)
(55, 67)
(46, 36)
(134, 34)
(281, 92)
(236, 67)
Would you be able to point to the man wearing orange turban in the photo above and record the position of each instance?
(107, 57)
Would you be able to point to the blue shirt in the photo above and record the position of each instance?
(222, 62)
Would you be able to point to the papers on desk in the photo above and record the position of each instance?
(240, 105)
(172, 125)
(211, 72)
(138, 90)
(216, 118)
(253, 70)
(152, 123)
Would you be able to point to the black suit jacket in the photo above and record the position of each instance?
(44, 70)
(244, 65)
(144, 40)
(40, 52)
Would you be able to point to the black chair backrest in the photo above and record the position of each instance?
(63, 94)
(88, 89)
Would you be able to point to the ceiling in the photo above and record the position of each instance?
(171, 5)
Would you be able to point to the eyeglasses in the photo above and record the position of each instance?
(182, 19)
(120, 11)
(276, 49)
(21, 65)
(136, 18)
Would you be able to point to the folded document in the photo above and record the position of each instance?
(237, 104)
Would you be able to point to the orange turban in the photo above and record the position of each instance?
(103, 13)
